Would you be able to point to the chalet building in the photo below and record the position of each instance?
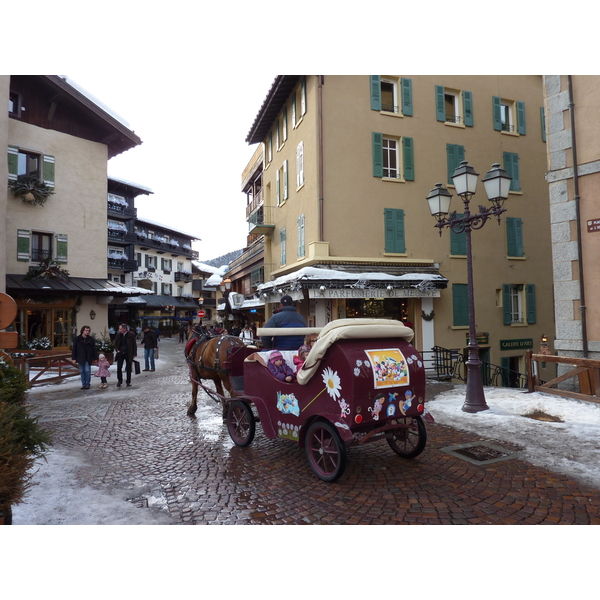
(53, 204)
(162, 264)
(573, 151)
(121, 216)
(337, 206)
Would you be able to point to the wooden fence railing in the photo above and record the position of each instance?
(47, 366)
(585, 369)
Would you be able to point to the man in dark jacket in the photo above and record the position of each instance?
(149, 342)
(84, 354)
(286, 317)
(126, 350)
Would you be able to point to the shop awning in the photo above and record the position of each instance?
(155, 301)
(72, 285)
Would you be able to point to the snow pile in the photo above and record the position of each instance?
(571, 448)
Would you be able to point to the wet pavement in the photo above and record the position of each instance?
(140, 441)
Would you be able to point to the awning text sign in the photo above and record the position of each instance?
(372, 293)
(523, 344)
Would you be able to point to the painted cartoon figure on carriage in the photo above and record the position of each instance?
(361, 381)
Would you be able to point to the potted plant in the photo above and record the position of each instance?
(22, 440)
(30, 189)
(104, 345)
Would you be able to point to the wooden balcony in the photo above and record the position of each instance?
(257, 201)
(262, 220)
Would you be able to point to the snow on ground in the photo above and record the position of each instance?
(571, 448)
(57, 498)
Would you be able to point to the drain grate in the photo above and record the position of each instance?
(480, 453)
(139, 502)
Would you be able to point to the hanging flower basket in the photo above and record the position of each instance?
(31, 190)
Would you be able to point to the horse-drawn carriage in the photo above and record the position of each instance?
(362, 382)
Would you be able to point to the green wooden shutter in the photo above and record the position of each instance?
(511, 166)
(13, 163)
(514, 236)
(282, 243)
(278, 186)
(458, 242)
(455, 155)
(375, 92)
(520, 117)
(409, 158)
(303, 95)
(377, 144)
(162, 264)
(497, 113)
(530, 299)
(301, 236)
(270, 147)
(407, 108)
(147, 260)
(543, 117)
(460, 305)
(394, 231)
(48, 170)
(23, 244)
(61, 247)
(285, 179)
(506, 303)
(440, 107)
(468, 108)
(294, 110)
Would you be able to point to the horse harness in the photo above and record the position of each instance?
(200, 364)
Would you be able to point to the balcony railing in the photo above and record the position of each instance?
(185, 277)
(256, 202)
(262, 220)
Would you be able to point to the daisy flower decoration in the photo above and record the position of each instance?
(332, 383)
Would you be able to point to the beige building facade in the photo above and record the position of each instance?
(348, 164)
(55, 135)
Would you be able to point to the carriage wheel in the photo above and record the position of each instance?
(409, 442)
(325, 451)
(240, 423)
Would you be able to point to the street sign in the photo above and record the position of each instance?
(8, 310)
(201, 314)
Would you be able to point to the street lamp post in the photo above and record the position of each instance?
(497, 185)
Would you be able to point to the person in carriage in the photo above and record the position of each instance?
(288, 316)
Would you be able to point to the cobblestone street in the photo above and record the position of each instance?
(140, 441)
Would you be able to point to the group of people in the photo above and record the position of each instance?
(85, 354)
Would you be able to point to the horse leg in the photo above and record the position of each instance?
(219, 385)
(191, 411)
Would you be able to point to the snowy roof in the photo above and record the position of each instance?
(95, 100)
(156, 224)
(318, 274)
(131, 183)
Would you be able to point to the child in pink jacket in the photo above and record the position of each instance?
(279, 368)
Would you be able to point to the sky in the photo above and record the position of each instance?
(189, 78)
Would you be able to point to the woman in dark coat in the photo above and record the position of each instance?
(84, 354)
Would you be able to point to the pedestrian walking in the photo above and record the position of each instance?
(126, 349)
(246, 335)
(84, 354)
(150, 343)
(103, 371)
(286, 317)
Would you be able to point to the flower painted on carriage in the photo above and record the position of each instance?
(359, 363)
(332, 383)
(409, 360)
(357, 371)
(367, 364)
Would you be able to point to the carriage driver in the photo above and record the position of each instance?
(286, 317)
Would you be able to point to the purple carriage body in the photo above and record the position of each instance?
(362, 381)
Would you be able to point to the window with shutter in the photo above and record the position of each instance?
(455, 155)
(511, 166)
(394, 231)
(391, 94)
(300, 165)
(23, 244)
(460, 305)
(514, 236)
(285, 179)
(458, 242)
(301, 236)
(282, 244)
(61, 247)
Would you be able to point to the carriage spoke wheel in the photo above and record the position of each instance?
(409, 442)
(240, 423)
(325, 451)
